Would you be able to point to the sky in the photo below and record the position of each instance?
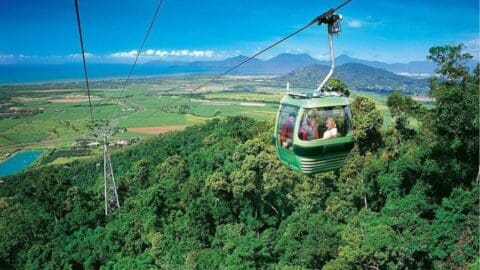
(33, 31)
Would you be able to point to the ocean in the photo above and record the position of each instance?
(20, 73)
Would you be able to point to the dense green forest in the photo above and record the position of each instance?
(215, 196)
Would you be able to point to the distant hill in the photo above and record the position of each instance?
(279, 64)
(306, 71)
(357, 76)
(227, 63)
(414, 67)
(286, 62)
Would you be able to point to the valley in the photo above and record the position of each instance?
(150, 107)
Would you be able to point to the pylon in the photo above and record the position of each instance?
(110, 188)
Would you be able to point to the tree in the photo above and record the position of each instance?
(455, 239)
(215, 196)
(336, 85)
(451, 61)
(299, 240)
(139, 174)
(401, 108)
(456, 119)
(367, 121)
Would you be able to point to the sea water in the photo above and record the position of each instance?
(20, 73)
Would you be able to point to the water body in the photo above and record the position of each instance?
(14, 74)
(19, 162)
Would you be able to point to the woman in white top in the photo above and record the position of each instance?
(331, 129)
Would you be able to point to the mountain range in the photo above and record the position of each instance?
(306, 71)
(357, 76)
(279, 64)
(299, 69)
(287, 62)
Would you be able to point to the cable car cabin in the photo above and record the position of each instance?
(313, 133)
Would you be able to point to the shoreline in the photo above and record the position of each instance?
(107, 78)
(136, 77)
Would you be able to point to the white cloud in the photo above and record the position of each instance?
(184, 53)
(131, 53)
(75, 55)
(369, 21)
(117, 57)
(150, 52)
(355, 23)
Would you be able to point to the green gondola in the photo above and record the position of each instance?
(313, 132)
(315, 154)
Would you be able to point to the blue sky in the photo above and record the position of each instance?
(391, 31)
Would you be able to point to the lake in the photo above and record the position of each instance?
(19, 161)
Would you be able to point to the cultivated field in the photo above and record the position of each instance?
(156, 130)
(147, 108)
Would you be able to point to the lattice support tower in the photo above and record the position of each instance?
(110, 188)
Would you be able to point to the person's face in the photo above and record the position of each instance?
(313, 121)
(329, 124)
(290, 119)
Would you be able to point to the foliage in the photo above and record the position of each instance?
(456, 119)
(214, 196)
(336, 85)
(452, 62)
(401, 108)
(367, 121)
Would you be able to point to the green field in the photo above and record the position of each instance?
(160, 102)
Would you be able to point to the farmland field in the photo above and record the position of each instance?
(147, 108)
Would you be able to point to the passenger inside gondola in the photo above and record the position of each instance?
(309, 128)
(323, 124)
(331, 129)
(286, 134)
